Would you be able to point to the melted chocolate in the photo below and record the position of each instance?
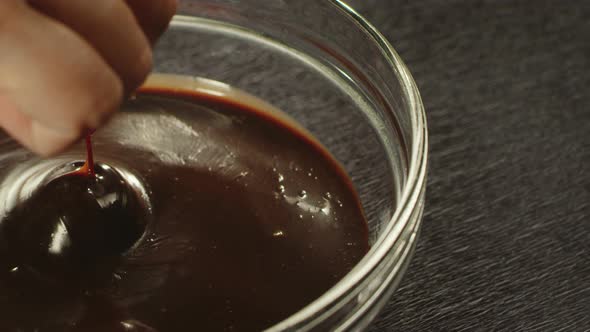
(222, 250)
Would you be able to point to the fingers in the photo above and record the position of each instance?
(53, 84)
(153, 15)
(120, 30)
(112, 29)
(65, 65)
(29, 132)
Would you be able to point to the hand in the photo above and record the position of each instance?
(65, 65)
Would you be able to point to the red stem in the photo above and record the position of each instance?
(89, 165)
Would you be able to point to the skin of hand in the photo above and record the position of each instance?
(66, 65)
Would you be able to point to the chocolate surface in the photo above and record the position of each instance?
(237, 245)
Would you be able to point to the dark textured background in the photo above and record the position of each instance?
(505, 243)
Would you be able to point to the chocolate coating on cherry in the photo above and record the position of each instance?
(75, 224)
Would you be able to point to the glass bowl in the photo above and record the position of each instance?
(332, 71)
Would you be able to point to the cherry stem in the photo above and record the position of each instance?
(88, 167)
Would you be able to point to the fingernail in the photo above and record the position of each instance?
(47, 141)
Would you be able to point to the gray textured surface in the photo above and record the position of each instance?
(506, 237)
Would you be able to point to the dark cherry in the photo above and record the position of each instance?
(77, 223)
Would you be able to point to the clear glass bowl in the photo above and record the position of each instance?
(328, 68)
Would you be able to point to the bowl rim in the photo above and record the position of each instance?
(412, 192)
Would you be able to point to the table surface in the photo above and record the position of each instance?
(505, 243)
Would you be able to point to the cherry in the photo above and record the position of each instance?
(77, 223)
